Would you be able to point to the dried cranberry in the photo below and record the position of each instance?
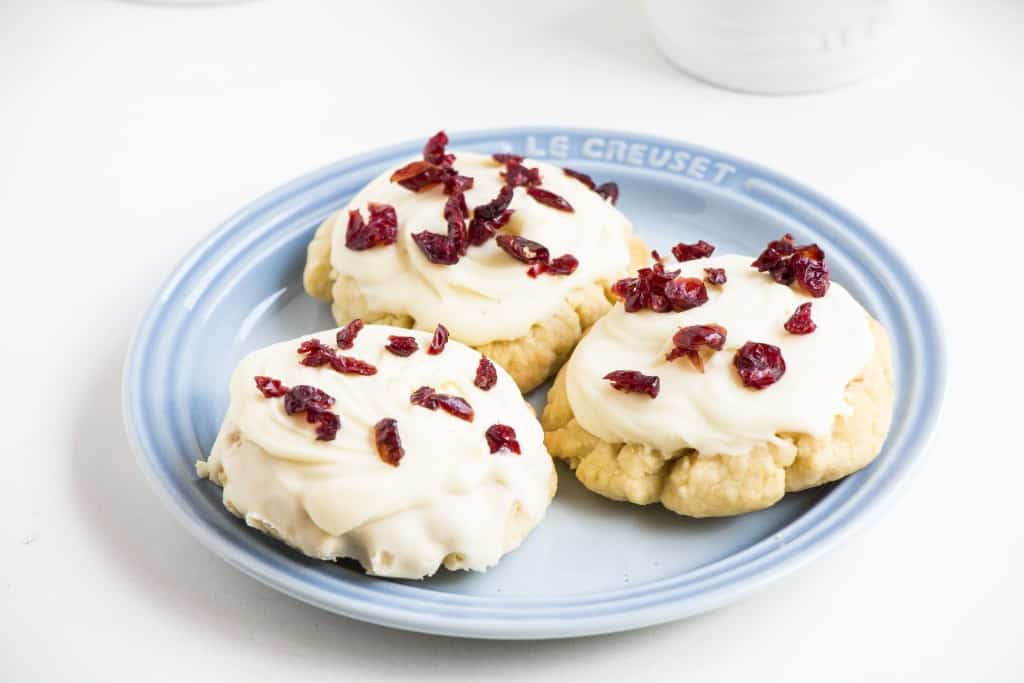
(609, 191)
(439, 249)
(811, 274)
(419, 175)
(389, 444)
(646, 290)
(689, 252)
(656, 256)
(347, 335)
(800, 322)
(689, 340)
(402, 346)
(455, 212)
(582, 177)
(523, 249)
(381, 229)
(270, 387)
(422, 397)
(684, 293)
(789, 263)
(453, 405)
(433, 150)
(500, 437)
(318, 355)
(759, 365)
(774, 253)
(438, 341)
(715, 276)
(633, 382)
(327, 423)
(565, 264)
(517, 175)
(490, 217)
(486, 374)
(455, 183)
(303, 397)
(549, 199)
(507, 158)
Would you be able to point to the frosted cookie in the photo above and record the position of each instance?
(717, 388)
(515, 256)
(397, 448)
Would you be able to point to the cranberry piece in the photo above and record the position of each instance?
(565, 264)
(774, 253)
(402, 346)
(646, 290)
(506, 158)
(455, 212)
(389, 444)
(500, 437)
(303, 397)
(550, 199)
(656, 256)
(800, 322)
(438, 341)
(381, 229)
(433, 150)
(582, 177)
(270, 387)
(347, 335)
(423, 397)
(327, 424)
(684, 293)
(715, 276)
(317, 355)
(689, 252)
(439, 249)
(759, 365)
(812, 275)
(610, 191)
(633, 382)
(486, 374)
(490, 217)
(523, 249)
(517, 175)
(418, 175)
(689, 340)
(453, 405)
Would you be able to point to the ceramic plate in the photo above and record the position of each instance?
(593, 565)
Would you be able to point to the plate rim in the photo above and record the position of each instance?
(826, 533)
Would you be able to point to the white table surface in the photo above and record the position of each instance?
(127, 132)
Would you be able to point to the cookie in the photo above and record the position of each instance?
(393, 447)
(515, 256)
(730, 429)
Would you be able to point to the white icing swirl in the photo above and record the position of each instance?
(713, 412)
(486, 296)
(450, 499)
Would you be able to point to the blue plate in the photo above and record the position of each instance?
(593, 565)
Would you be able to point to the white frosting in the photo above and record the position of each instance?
(449, 499)
(713, 412)
(486, 296)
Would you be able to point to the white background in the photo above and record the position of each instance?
(127, 132)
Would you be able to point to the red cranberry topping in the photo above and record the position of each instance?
(433, 151)
(582, 177)
(633, 382)
(317, 355)
(453, 405)
(550, 199)
(389, 444)
(347, 335)
(327, 424)
(715, 276)
(500, 437)
(565, 264)
(800, 322)
(486, 374)
(402, 346)
(689, 252)
(490, 217)
(788, 263)
(689, 340)
(609, 191)
(646, 290)
(517, 175)
(438, 248)
(270, 387)
(684, 293)
(438, 341)
(419, 175)
(759, 365)
(381, 229)
(455, 213)
(523, 249)
(506, 158)
(303, 397)
(656, 256)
